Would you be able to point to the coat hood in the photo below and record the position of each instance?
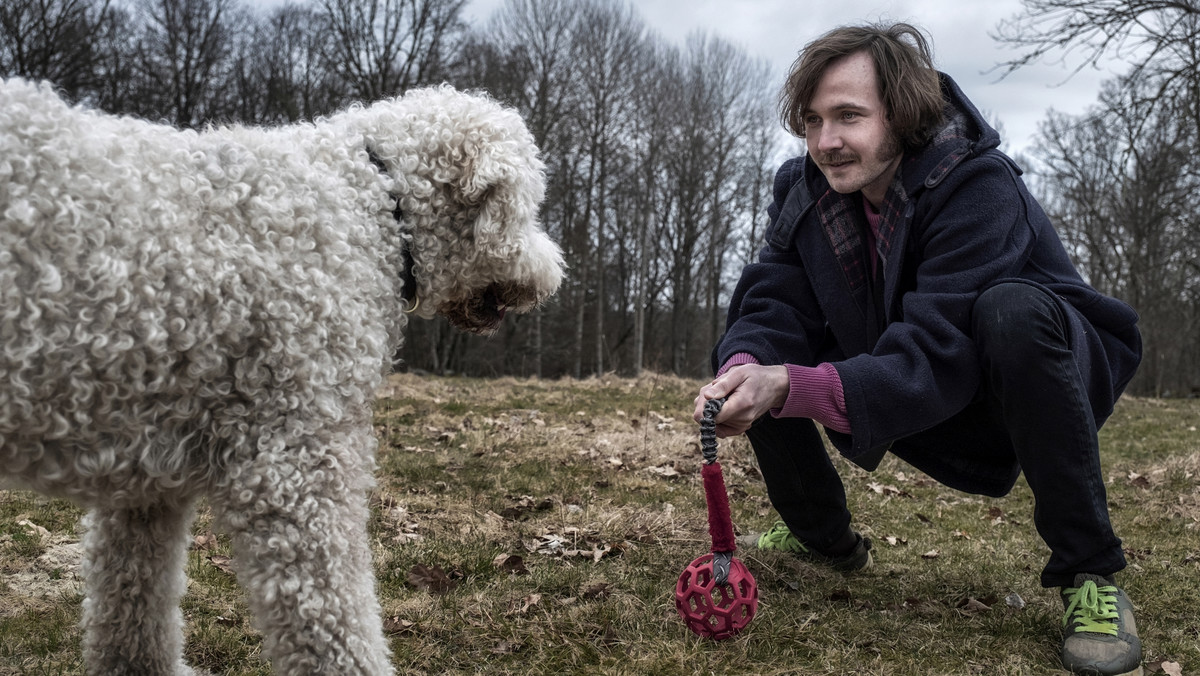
(964, 133)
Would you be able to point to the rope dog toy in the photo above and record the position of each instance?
(716, 595)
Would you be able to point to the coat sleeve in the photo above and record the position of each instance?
(758, 324)
(973, 230)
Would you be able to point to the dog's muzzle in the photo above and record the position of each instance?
(483, 311)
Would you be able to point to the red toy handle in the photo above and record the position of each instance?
(720, 523)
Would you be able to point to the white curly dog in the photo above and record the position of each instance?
(190, 314)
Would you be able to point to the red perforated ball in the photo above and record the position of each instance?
(711, 610)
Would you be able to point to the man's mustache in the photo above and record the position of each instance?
(838, 158)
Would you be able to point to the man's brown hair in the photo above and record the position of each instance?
(908, 84)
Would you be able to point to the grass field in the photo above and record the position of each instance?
(534, 527)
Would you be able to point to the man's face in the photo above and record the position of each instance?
(847, 129)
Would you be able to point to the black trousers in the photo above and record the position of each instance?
(1031, 415)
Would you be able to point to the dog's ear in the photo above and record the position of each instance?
(492, 191)
(504, 179)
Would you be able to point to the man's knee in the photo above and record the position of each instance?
(1015, 321)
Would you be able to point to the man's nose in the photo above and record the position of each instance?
(828, 139)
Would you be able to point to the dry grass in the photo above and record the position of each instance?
(539, 527)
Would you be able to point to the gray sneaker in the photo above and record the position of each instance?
(780, 538)
(1099, 634)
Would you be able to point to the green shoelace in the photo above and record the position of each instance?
(1094, 608)
(779, 537)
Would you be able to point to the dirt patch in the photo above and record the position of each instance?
(47, 578)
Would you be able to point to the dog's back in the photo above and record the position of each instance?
(157, 286)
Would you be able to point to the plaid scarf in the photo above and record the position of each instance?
(845, 227)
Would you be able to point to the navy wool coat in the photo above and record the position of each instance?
(956, 220)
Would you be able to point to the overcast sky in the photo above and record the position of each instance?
(775, 30)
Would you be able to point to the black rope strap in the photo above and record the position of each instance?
(708, 429)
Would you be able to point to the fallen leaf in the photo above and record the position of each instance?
(506, 647)
(204, 542)
(931, 554)
(1014, 600)
(528, 602)
(1137, 554)
(893, 540)
(431, 579)
(666, 471)
(642, 534)
(1138, 480)
(1164, 667)
(884, 489)
(395, 625)
(664, 423)
(550, 544)
(510, 563)
(973, 605)
(223, 563)
(596, 591)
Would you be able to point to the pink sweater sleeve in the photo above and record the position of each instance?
(813, 392)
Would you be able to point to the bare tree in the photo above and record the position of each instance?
(649, 138)
(609, 40)
(526, 48)
(1122, 179)
(1149, 33)
(56, 40)
(715, 161)
(1160, 39)
(381, 48)
(1121, 184)
(182, 60)
(279, 71)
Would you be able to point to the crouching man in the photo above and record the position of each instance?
(913, 297)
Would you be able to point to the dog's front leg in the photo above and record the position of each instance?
(133, 570)
(297, 516)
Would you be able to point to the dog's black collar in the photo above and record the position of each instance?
(408, 292)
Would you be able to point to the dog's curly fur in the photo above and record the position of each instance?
(187, 314)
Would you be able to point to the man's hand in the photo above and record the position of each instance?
(752, 390)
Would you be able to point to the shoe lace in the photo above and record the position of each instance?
(1094, 608)
(779, 536)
